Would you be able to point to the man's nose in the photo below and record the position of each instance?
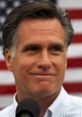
(44, 61)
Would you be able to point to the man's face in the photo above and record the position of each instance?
(40, 60)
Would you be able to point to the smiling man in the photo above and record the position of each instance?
(36, 37)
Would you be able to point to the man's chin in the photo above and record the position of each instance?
(41, 93)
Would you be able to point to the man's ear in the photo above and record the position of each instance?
(8, 59)
(66, 64)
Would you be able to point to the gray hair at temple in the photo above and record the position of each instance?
(34, 10)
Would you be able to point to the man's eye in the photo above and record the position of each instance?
(31, 48)
(55, 49)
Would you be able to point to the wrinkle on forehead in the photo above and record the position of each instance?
(41, 25)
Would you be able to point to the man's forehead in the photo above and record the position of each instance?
(40, 24)
(37, 30)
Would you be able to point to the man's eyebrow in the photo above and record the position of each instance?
(57, 45)
(31, 46)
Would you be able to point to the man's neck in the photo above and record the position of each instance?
(46, 102)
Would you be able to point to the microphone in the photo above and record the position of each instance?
(28, 108)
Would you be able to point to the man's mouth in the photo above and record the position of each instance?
(43, 75)
(46, 74)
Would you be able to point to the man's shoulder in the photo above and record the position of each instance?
(6, 112)
(75, 100)
(72, 106)
(71, 100)
(74, 103)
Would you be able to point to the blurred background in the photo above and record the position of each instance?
(73, 76)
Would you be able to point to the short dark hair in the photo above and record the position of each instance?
(35, 10)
